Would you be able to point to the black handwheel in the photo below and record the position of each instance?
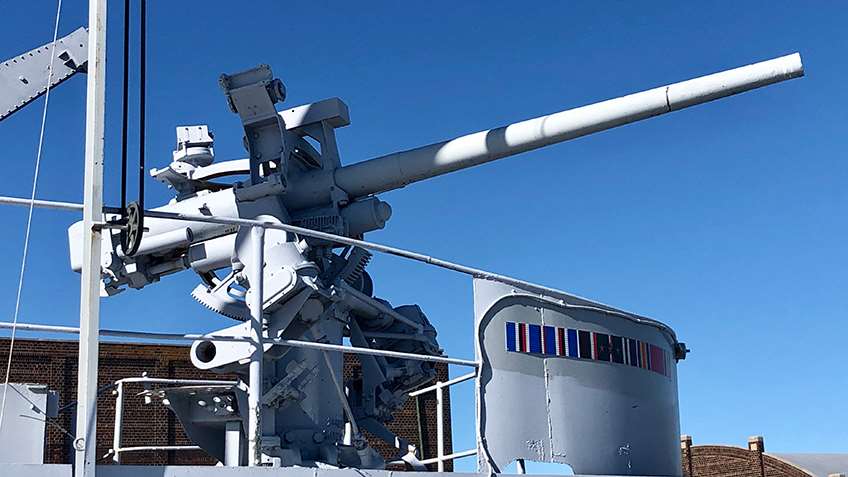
(131, 235)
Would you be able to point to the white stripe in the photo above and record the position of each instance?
(542, 336)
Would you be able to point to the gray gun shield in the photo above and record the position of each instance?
(599, 417)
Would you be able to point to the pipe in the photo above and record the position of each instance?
(398, 169)
(274, 341)
(41, 204)
(254, 303)
(196, 382)
(399, 252)
(474, 272)
(455, 455)
(157, 448)
(119, 421)
(440, 428)
(451, 382)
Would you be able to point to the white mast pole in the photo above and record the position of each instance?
(85, 442)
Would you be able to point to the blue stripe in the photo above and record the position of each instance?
(550, 340)
(510, 336)
(535, 332)
(572, 343)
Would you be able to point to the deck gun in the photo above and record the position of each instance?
(315, 289)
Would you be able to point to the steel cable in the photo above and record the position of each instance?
(29, 215)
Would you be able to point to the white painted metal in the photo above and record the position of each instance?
(520, 468)
(194, 382)
(41, 204)
(119, 422)
(22, 437)
(284, 342)
(158, 448)
(440, 427)
(232, 444)
(399, 169)
(254, 303)
(85, 442)
(456, 380)
(455, 455)
(119, 412)
(439, 387)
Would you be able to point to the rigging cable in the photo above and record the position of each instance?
(125, 106)
(141, 99)
(31, 207)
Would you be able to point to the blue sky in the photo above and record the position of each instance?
(726, 221)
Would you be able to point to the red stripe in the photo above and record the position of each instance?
(594, 345)
(657, 359)
(561, 338)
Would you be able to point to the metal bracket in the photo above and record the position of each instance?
(251, 94)
(23, 79)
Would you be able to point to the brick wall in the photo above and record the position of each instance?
(729, 461)
(54, 362)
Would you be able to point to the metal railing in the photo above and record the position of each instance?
(257, 238)
(439, 388)
(116, 449)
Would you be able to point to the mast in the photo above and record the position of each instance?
(85, 443)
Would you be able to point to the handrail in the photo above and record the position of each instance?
(439, 387)
(116, 449)
(451, 382)
(419, 257)
(277, 341)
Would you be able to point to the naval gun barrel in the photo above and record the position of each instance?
(396, 170)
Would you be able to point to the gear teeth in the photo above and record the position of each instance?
(226, 306)
(357, 261)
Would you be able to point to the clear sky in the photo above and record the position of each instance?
(726, 221)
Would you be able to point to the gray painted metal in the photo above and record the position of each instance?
(22, 435)
(615, 419)
(36, 470)
(401, 168)
(312, 291)
(599, 417)
(64, 470)
(23, 78)
(817, 465)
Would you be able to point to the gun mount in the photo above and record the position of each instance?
(315, 290)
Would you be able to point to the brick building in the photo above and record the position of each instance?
(54, 363)
(730, 461)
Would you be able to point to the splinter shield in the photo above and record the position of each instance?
(570, 381)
